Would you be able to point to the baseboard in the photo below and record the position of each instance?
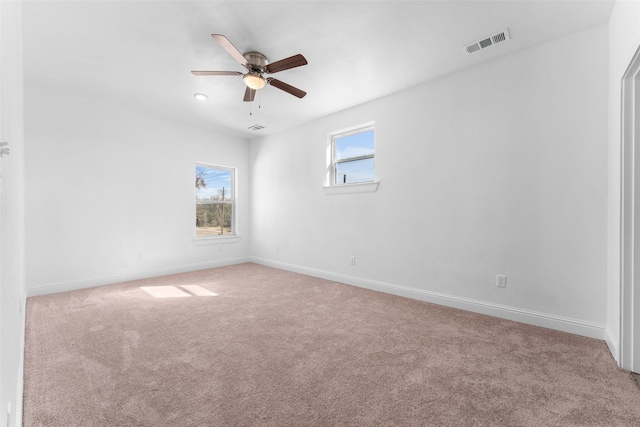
(51, 288)
(551, 321)
(20, 384)
(612, 343)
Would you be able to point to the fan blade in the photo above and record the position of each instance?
(286, 87)
(231, 49)
(249, 94)
(216, 73)
(285, 64)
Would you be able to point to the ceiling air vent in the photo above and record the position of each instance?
(256, 127)
(487, 41)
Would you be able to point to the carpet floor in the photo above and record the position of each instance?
(249, 345)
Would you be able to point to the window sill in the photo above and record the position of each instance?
(221, 240)
(360, 187)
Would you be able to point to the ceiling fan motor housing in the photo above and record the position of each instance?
(256, 61)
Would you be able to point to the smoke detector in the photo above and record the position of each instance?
(487, 41)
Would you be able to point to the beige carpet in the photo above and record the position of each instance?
(274, 348)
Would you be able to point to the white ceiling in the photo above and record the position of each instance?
(141, 52)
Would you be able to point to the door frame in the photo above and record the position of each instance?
(630, 218)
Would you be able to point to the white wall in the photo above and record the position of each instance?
(12, 292)
(105, 183)
(499, 169)
(624, 40)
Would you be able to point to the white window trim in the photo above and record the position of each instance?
(215, 240)
(355, 188)
(228, 238)
(331, 187)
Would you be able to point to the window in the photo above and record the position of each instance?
(215, 200)
(353, 156)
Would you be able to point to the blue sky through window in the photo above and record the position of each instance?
(356, 171)
(215, 179)
(359, 144)
(352, 165)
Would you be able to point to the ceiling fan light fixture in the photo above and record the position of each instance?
(200, 96)
(254, 81)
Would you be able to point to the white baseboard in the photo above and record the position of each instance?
(551, 321)
(20, 385)
(612, 342)
(51, 288)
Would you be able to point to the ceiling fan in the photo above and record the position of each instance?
(257, 65)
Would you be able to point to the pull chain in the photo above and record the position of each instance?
(259, 103)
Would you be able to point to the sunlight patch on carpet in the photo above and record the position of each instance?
(198, 291)
(164, 291)
(175, 292)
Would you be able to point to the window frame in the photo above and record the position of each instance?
(234, 236)
(333, 187)
(343, 134)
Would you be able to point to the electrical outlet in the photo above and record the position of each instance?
(501, 281)
(353, 260)
(277, 249)
(139, 257)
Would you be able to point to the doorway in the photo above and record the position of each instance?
(630, 210)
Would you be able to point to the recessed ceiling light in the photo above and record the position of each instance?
(200, 96)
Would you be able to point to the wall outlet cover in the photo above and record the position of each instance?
(501, 281)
